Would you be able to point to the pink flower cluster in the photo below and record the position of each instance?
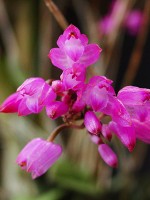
(132, 20)
(73, 98)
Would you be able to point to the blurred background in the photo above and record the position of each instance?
(28, 30)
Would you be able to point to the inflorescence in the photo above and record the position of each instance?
(72, 98)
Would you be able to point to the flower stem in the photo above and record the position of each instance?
(56, 13)
(61, 127)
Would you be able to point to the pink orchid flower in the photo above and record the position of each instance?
(97, 91)
(73, 48)
(30, 97)
(38, 156)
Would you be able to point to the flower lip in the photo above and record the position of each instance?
(72, 34)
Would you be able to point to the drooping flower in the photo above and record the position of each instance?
(38, 156)
(73, 48)
(30, 97)
(108, 155)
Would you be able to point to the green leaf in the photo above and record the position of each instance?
(54, 194)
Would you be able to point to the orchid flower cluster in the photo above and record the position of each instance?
(132, 21)
(73, 98)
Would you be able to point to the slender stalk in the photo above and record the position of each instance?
(62, 127)
(56, 13)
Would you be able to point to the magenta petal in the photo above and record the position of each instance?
(131, 95)
(84, 40)
(108, 155)
(73, 78)
(44, 156)
(117, 111)
(57, 86)
(32, 104)
(74, 49)
(47, 95)
(31, 86)
(26, 152)
(23, 109)
(92, 123)
(56, 109)
(98, 98)
(11, 104)
(71, 30)
(61, 41)
(96, 80)
(58, 58)
(125, 134)
(38, 155)
(36, 94)
(142, 130)
(90, 55)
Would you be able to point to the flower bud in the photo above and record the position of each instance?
(92, 123)
(108, 155)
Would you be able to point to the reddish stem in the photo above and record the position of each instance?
(62, 127)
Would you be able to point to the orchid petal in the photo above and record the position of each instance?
(58, 58)
(56, 109)
(90, 55)
(125, 134)
(11, 104)
(38, 155)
